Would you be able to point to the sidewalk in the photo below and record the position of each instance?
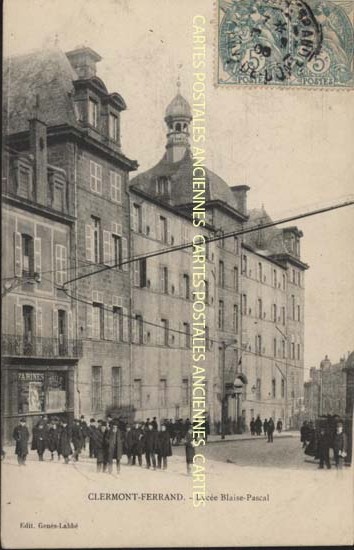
(249, 437)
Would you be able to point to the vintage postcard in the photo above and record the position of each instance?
(177, 273)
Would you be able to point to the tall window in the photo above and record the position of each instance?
(275, 313)
(186, 335)
(137, 218)
(293, 306)
(93, 113)
(221, 274)
(163, 229)
(244, 304)
(96, 239)
(97, 321)
(96, 388)
(298, 352)
(139, 327)
(27, 255)
(298, 313)
(236, 278)
(275, 347)
(274, 388)
(284, 281)
(283, 315)
(236, 245)
(260, 271)
(292, 350)
(244, 265)
(186, 293)
(283, 347)
(260, 308)
(62, 331)
(258, 344)
(164, 279)
(221, 315)
(137, 393)
(165, 333)
(185, 391)
(258, 388)
(27, 318)
(282, 387)
(117, 250)
(113, 127)
(274, 277)
(116, 386)
(116, 186)
(95, 177)
(118, 323)
(163, 392)
(235, 319)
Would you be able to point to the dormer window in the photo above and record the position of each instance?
(24, 178)
(163, 185)
(113, 127)
(93, 113)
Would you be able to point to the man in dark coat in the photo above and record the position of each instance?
(258, 425)
(265, 426)
(77, 438)
(340, 445)
(21, 436)
(154, 423)
(279, 426)
(113, 447)
(39, 439)
(53, 438)
(150, 444)
(164, 448)
(128, 444)
(84, 430)
(323, 444)
(270, 430)
(190, 452)
(138, 444)
(252, 427)
(65, 441)
(91, 430)
(98, 436)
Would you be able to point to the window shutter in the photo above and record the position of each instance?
(70, 325)
(107, 247)
(58, 265)
(125, 253)
(116, 301)
(137, 273)
(64, 265)
(18, 320)
(89, 242)
(134, 330)
(143, 218)
(109, 324)
(37, 255)
(89, 321)
(99, 178)
(168, 223)
(119, 187)
(18, 254)
(151, 221)
(92, 176)
(39, 330)
(132, 217)
(125, 325)
(117, 229)
(55, 331)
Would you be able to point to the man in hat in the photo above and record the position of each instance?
(21, 436)
(340, 445)
(150, 444)
(53, 438)
(77, 438)
(128, 444)
(65, 441)
(41, 440)
(84, 430)
(164, 448)
(98, 436)
(138, 443)
(91, 430)
(113, 446)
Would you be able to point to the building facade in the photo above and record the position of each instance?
(133, 319)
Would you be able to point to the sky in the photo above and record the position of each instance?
(294, 148)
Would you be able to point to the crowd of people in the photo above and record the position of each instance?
(108, 440)
(257, 427)
(318, 441)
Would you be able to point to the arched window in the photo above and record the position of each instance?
(178, 127)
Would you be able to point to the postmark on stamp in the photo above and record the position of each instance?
(286, 43)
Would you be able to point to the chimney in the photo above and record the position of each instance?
(240, 194)
(38, 148)
(83, 60)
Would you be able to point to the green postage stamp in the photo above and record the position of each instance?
(286, 43)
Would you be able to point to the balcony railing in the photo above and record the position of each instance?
(22, 346)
